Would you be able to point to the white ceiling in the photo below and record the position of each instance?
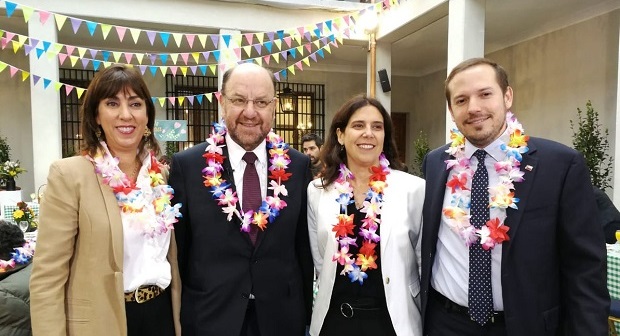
(418, 48)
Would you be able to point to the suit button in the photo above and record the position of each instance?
(387, 280)
(256, 261)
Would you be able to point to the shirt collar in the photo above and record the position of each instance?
(494, 149)
(236, 152)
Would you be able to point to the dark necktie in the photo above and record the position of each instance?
(251, 190)
(480, 292)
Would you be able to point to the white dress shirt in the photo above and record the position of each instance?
(235, 157)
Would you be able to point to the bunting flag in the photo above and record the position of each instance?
(330, 26)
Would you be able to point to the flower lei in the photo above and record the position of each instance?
(227, 198)
(366, 259)
(145, 205)
(501, 195)
(21, 256)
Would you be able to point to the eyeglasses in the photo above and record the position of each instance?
(242, 102)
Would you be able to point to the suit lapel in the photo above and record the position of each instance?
(522, 190)
(116, 224)
(387, 209)
(438, 194)
(261, 233)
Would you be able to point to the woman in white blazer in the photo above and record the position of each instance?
(364, 219)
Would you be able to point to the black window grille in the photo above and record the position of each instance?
(308, 115)
(71, 133)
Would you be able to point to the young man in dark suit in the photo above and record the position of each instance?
(508, 245)
(243, 247)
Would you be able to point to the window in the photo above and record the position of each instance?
(308, 115)
(71, 134)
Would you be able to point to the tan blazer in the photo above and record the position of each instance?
(76, 286)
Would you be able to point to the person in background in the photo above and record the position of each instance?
(244, 254)
(15, 268)
(311, 145)
(508, 245)
(364, 218)
(106, 254)
(609, 216)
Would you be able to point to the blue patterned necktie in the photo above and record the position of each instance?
(251, 190)
(480, 292)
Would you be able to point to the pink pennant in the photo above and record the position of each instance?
(173, 69)
(266, 59)
(69, 49)
(43, 16)
(287, 40)
(217, 95)
(128, 57)
(309, 47)
(69, 88)
(190, 39)
(62, 58)
(301, 30)
(121, 32)
(185, 57)
(8, 35)
(299, 66)
(3, 42)
(13, 70)
(249, 37)
(172, 100)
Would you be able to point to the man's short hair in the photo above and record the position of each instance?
(312, 137)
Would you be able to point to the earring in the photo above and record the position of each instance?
(147, 132)
(98, 134)
(342, 148)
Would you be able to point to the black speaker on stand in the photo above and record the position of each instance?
(384, 80)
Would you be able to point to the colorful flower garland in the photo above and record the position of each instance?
(227, 198)
(366, 259)
(21, 256)
(501, 195)
(145, 205)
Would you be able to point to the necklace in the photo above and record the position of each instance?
(501, 195)
(21, 256)
(145, 205)
(227, 198)
(366, 259)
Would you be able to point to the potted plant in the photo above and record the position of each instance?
(5, 155)
(591, 141)
(420, 148)
(9, 171)
(23, 213)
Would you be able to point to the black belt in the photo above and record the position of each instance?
(359, 308)
(450, 306)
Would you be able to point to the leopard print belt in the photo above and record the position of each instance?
(143, 293)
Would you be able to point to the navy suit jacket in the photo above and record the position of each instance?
(553, 268)
(220, 267)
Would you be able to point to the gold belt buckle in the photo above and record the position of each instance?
(135, 294)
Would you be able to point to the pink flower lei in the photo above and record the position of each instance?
(501, 195)
(227, 198)
(145, 205)
(21, 256)
(366, 259)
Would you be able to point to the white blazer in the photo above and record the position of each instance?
(400, 229)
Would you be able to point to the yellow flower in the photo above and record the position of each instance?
(17, 214)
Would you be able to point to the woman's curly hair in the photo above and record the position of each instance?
(10, 237)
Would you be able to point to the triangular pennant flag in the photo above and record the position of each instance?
(33, 42)
(226, 40)
(35, 79)
(261, 37)
(74, 60)
(202, 38)
(308, 36)
(306, 61)
(178, 38)
(25, 75)
(91, 27)
(15, 46)
(313, 56)
(107, 64)
(194, 68)
(105, 30)
(248, 50)
(270, 36)
(298, 65)
(46, 83)
(300, 49)
(163, 58)
(309, 47)
(181, 100)
(249, 38)
(116, 55)
(293, 52)
(106, 55)
(57, 48)
(120, 31)
(10, 8)
(269, 46)
(39, 52)
(276, 57)
(203, 69)
(328, 49)
(213, 68)
(320, 52)
(266, 59)
(277, 76)
(237, 38)
(259, 61)
(60, 20)
(173, 70)
(85, 62)
(183, 70)
(163, 70)
(153, 58)
(278, 44)
(216, 54)
(153, 70)
(151, 35)
(75, 23)
(128, 57)
(199, 99)
(135, 34)
(206, 54)
(93, 53)
(174, 58)
(46, 45)
(210, 96)
(185, 57)
(68, 89)
(291, 69)
(164, 38)
(196, 57)
(81, 51)
(69, 49)
(190, 39)
(287, 40)
(139, 57)
(62, 58)
(215, 39)
(258, 48)
(27, 11)
(301, 30)
(280, 34)
(171, 100)
(142, 69)
(190, 99)
(79, 91)
(162, 101)
(328, 24)
(57, 86)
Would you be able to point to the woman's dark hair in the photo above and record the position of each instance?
(331, 153)
(106, 84)
(10, 237)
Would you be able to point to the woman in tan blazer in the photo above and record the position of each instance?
(106, 254)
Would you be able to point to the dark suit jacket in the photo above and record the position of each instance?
(219, 266)
(554, 265)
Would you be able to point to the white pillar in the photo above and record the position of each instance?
(44, 104)
(227, 57)
(465, 37)
(384, 61)
(616, 184)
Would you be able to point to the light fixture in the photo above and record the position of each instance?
(287, 98)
